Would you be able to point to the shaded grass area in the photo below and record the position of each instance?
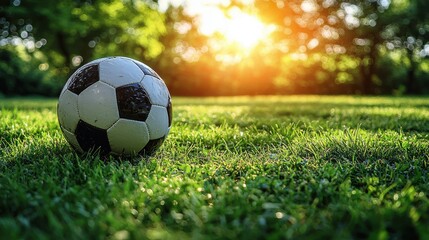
(247, 168)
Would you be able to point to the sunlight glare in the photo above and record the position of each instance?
(244, 29)
(237, 27)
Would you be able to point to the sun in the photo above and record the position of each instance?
(236, 27)
(245, 30)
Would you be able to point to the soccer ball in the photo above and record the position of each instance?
(116, 105)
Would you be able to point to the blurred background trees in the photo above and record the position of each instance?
(301, 46)
(62, 35)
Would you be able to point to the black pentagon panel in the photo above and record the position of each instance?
(90, 137)
(152, 146)
(84, 78)
(133, 102)
(170, 112)
(146, 70)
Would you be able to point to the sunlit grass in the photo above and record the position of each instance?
(278, 167)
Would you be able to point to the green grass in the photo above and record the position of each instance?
(231, 168)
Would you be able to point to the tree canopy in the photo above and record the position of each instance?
(304, 46)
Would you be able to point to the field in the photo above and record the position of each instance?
(232, 168)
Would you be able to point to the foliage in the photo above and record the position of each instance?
(85, 28)
(231, 168)
(68, 33)
(316, 46)
(413, 40)
(20, 75)
(308, 35)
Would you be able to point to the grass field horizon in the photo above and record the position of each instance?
(275, 167)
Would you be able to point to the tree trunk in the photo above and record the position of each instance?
(367, 72)
(64, 50)
(411, 75)
(366, 81)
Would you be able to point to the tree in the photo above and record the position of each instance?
(409, 32)
(319, 45)
(332, 28)
(363, 38)
(69, 32)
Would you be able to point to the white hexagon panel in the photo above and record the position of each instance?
(128, 136)
(120, 71)
(97, 105)
(67, 111)
(157, 90)
(157, 122)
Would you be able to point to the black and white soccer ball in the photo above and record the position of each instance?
(117, 105)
